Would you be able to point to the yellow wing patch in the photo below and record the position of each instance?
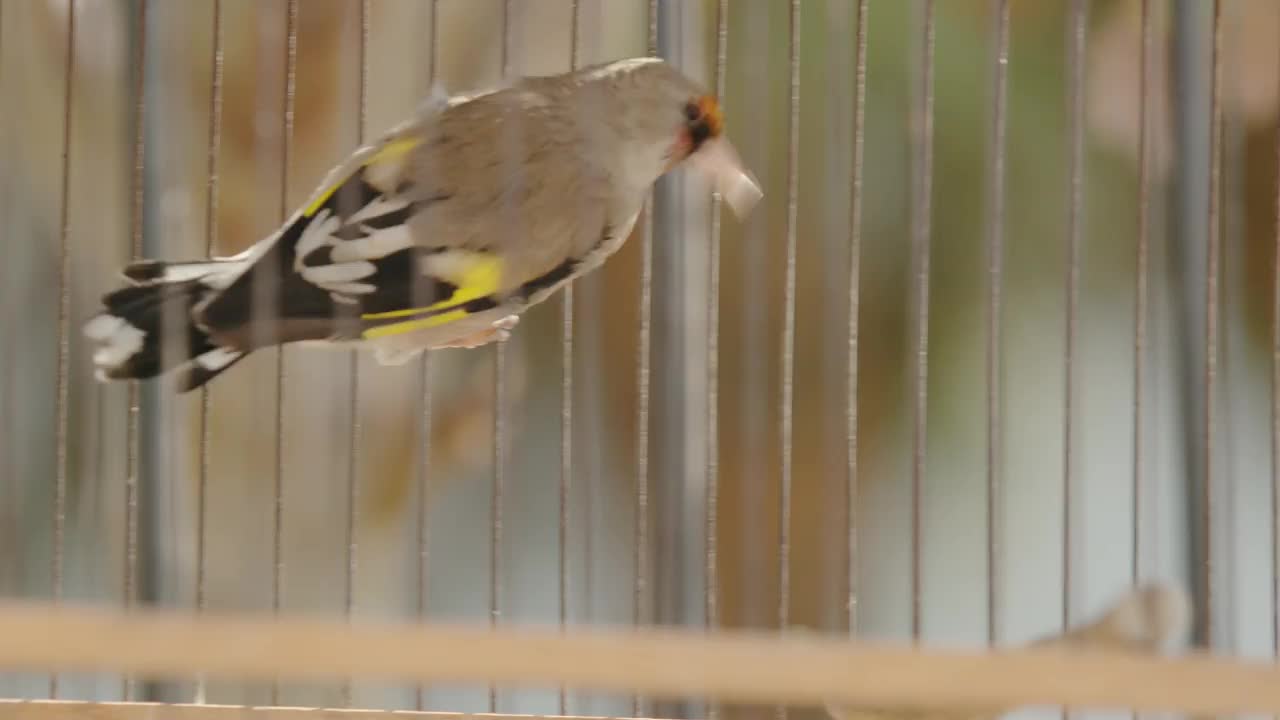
(395, 149)
(412, 325)
(392, 150)
(479, 278)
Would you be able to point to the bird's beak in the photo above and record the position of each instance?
(719, 162)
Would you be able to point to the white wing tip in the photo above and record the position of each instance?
(101, 327)
(118, 341)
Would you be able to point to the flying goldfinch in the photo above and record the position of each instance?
(437, 235)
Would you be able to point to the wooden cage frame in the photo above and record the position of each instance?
(755, 667)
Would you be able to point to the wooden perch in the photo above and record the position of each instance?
(740, 667)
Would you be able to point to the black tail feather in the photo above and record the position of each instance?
(147, 330)
(204, 368)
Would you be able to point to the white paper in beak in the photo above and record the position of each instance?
(719, 161)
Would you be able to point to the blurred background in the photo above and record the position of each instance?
(243, 503)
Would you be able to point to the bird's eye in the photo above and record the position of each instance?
(692, 111)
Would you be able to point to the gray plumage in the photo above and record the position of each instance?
(438, 234)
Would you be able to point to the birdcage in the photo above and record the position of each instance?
(999, 344)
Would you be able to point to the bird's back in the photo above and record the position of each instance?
(521, 176)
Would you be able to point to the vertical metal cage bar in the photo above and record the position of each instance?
(1213, 255)
(1275, 413)
(787, 401)
(8, 379)
(1188, 85)
(644, 342)
(495, 507)
(499, 421)
(590, 449)
(353, 399)
(424, 484)
(286, 154)
(137, 220)
(566, 397)
(995, 310)
(211, 236)
(711, 569)
(1076, 28)
(1141, 283)
(425, 404)
(855, 292)
(61, 394)
(921, 210)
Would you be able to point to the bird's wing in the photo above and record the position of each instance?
(347, 261)
(478, 201)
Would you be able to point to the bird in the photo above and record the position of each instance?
(439, 233)
(1147, 619)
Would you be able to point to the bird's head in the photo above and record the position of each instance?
(670, 119)
(701, 122)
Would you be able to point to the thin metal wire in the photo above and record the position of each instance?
(495, 509)
(644, 341)
(566, 393)
(353, 398)
(1275, 417)
(286, 154)
(132, 434)
(1232, 221)
(711, 597)
(922, 139)
(787, 400)
(1141, 292)
(1075, 199)
(995, 311)
(8, 381)
(424, 410)
(855, 294)
(211, 234)
(1214, 252)
(64, 328)
(499, 422)
(424, 480)
(1188, 218)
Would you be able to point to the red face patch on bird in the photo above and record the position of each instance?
(703, 121)
(711, 114)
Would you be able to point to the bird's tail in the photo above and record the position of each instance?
(147, 328)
